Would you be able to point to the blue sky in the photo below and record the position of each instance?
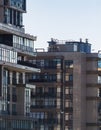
(64, 20)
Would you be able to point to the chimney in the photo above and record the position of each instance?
(80, 39)
(86, 40)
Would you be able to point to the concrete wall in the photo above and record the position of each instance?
(20, 100)
(92, 93)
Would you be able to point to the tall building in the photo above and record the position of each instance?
(16, 48)
(67, 95)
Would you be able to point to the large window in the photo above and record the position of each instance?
(20, 4)
(44, 97)
(23, 43)
(45, 77)
(49, 63)
(8, 55)
(4, 91)
(7, 15)
(27, 101)
(99, 64)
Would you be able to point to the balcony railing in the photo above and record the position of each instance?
(11, 28)
(50, 121)
(69, 122)
(43, 106)
(42, 80)
(69, 96)
(26, 63)
(43, 95)
(69, 109)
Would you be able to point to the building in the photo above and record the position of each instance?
(16, 47)
(68, 89)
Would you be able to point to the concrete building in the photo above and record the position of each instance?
(68, 89)
(15, 49)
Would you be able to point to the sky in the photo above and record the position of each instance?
(64, 20)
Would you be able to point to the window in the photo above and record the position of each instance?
(68, 64)
(42, 127)
(5, 77)
(68, 103)
(8, 55)
(99, 92)
(7, 15)
(69, 90)
(68, 77)
(59, 76)
(99, 64)
(68, 128)
(27, 101)
(21, 42)
(68, 116)
(13, 109)
(71, 77)
(99, 79)
(58, 103)
(20, 4)
(14, 90)
(99, 108)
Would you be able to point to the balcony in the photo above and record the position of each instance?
(42, 80)
(11, 29)
(13, 122)
(42, 106)
(69, 122)
(69, 96)
(26, 63)
(48, 67)
(44, 95)
(69, 83)
(50, 122)
(19, 67)
(69, 109)
(24, 49)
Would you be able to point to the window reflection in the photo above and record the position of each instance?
(99, 61)
(99, 64)
(68, 64)
(99, 79)
(23, 43)
(8, 55)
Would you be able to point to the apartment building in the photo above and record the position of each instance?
(67, 95)
(15, 49)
